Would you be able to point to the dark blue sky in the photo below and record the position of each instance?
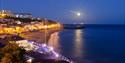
(93, 11)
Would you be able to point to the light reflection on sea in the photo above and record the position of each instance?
(54, 41)
(91, 45)
(78, 43)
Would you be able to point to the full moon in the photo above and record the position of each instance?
(78, 14)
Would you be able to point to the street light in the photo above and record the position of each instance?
(45, 26)
(29, 60)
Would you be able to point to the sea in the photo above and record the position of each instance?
(92, 44)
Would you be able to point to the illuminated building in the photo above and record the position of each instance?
(5, 13)
(22, 15)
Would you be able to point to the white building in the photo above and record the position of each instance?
(23, 15)
(4, 13)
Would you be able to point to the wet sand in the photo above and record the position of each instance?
(38, 36)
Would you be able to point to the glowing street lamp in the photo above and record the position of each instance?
(29, 60)
(57, 55)
(45, 26)
(51, 48)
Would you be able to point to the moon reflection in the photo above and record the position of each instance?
(78, 43)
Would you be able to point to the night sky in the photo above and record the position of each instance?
(92, 11)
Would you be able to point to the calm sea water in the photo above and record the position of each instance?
(92, 44)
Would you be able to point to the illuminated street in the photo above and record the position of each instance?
(41, 51)
(37, 50)
(14, 26)
(62, 31)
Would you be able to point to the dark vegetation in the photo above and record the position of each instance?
(11, 53)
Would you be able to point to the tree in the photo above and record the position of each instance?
(11, 53)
